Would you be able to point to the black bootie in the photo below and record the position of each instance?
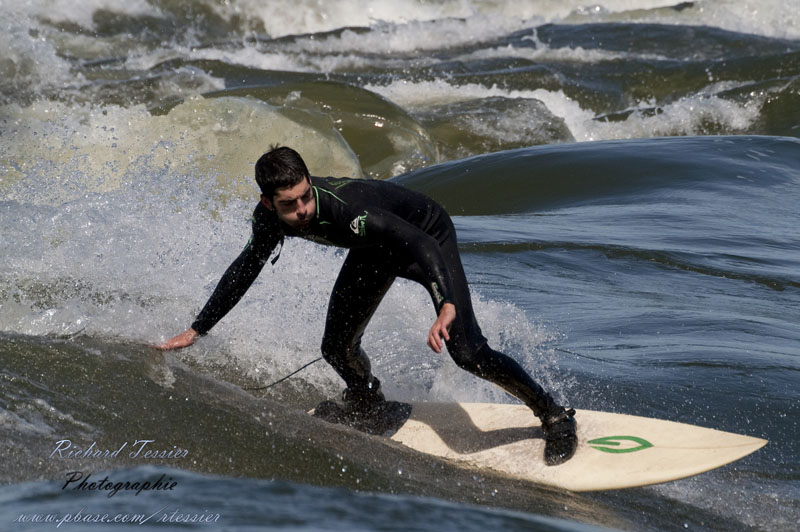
(364, 399)
(560, 435)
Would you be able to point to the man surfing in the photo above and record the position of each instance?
(391, 232)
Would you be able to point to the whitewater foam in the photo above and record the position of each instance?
(89, 149)
(772, 18)
(687, 116)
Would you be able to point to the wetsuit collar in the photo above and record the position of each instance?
(316, 201)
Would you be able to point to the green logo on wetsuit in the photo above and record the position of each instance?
(359, 223)
(611, 444)
(436, 295)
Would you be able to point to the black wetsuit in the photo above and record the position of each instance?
(391, 232)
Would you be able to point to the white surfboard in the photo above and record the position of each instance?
(614, 450)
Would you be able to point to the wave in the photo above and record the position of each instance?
(113, 393)
(716, 206)
(92, 148)
(385, 98)
(384, 137)
(556, 176)
(698, 263)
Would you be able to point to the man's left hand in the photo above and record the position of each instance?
(441, 327)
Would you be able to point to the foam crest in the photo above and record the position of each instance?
(770, 18)
(82, 13)
(692, 115)
(417, 36)
(351, 49)
(687, 116)
(29, 63)
(311, 16)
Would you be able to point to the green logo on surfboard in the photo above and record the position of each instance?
(613, 444)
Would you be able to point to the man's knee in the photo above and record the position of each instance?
(347, 358)
(469, 357)
(334, 348)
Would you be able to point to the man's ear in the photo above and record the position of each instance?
(267, 202)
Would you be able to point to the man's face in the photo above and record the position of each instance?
(295, 206)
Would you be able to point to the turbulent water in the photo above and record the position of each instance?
(624, 176)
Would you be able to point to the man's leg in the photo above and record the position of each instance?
(359, 289)
(470, 351)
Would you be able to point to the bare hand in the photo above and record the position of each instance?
(184, 339)
(441, 327)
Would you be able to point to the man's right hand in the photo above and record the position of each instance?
(184, 339)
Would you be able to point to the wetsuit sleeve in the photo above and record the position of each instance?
(389, 229)
(236, 280)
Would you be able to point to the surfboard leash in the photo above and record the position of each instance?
(304, 366)
(295, 372)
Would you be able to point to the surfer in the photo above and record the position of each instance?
(391, 232)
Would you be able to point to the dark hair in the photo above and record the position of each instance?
(280, 167)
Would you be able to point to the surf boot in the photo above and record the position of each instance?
(560, 435)
(364, 400)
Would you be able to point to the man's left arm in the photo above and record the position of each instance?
(440, 331)
(388, 228)
(381, 227)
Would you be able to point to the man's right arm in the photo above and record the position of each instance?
(239, 276)
(234, 283)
